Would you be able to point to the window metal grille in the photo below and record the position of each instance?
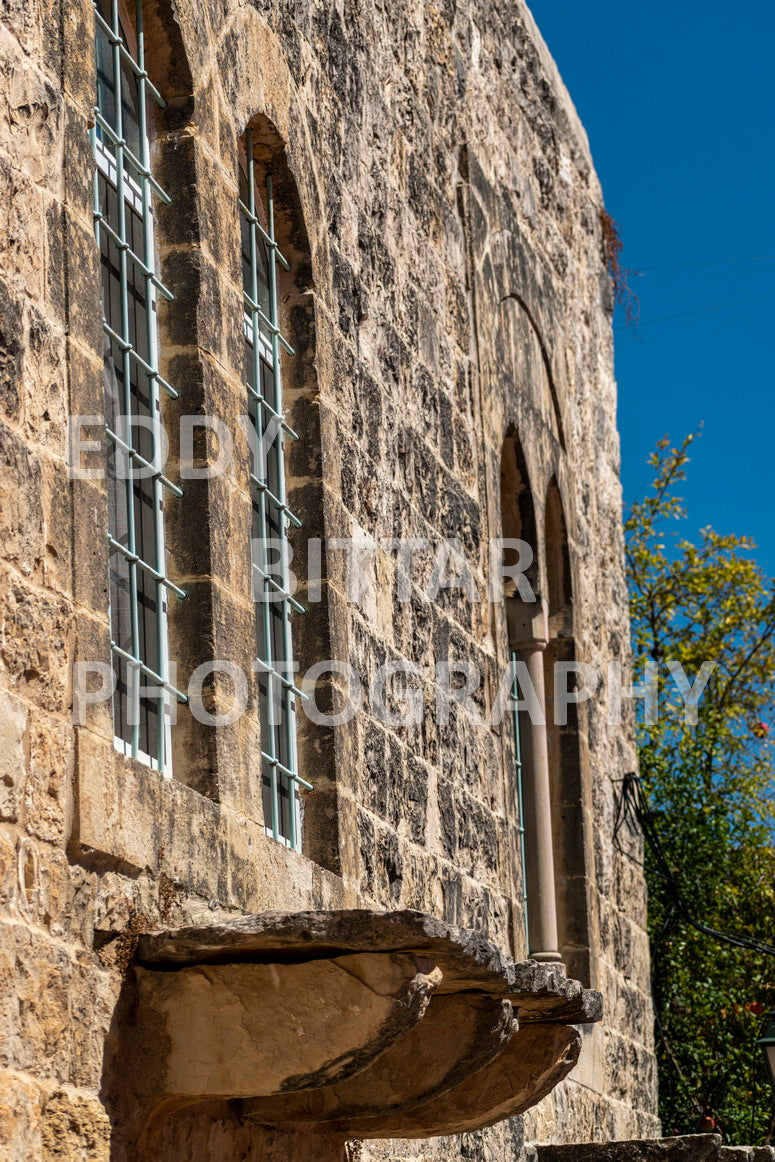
(272, 518)
(124, 189)
(515, 695)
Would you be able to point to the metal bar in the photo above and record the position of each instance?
(157, 678)
(274, 414)
(289, 774)
(254, 309)
(149, 274)
(154, 403)
(129, 349)
(114, 544)
(265, 668)
(118, 141)
(280, 505)
(128, 450)
(126, 56)
(254, 221)
(278, 588)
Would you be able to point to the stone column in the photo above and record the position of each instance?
(528, 637)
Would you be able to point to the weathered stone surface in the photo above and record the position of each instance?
(536, 1058)
(20, 1117)
(13, 717)
(747, 1154)
(252, 1029)
(457, 1036)
(694, 1148)
(75, 1126)
(282, 1010)
(215, 1133)
(690, 1148)
(467, 960)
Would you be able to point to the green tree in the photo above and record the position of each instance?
(709, 786)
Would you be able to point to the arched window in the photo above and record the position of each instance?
(262, 262)
(125, 196)
(527, 631)
(565, 773)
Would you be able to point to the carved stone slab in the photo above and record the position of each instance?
(457, 1036)
(338, 1025)
(536, 1059)
(242, 1030)
(539, 992)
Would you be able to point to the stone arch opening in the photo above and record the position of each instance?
(167, 62)
(565, 771)
(130, 138)
(526, 623)
(518, 518)
(277, 199)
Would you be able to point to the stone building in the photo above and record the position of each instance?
(245, 932)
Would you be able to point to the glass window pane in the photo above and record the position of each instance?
(135, 505)
(273, 631)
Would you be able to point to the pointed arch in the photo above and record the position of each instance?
(559, 585)
(512, 296)
(287, 498)
(129, 108)
(565, 767)
(518, 516)
(526, 635)
(167, 61)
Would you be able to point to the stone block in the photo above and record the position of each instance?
(57, 519)
(75, 1128)
(44, 367)
(33, 106)
(699, 1148)
(13, 719)
(12, 344)
(38, 1013)
(34, 642)
(77, 59)
(48, 789)
(118, 805)
(21, 514)
(8, 839)
(23, 209)
(93, 996)
(90, 553)
(20, 1117)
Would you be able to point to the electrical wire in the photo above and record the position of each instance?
(696, 311)
(633, 808)
(707, 262)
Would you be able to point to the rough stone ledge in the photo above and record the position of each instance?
(353, 1024)
(690, 1148)
(538, 992)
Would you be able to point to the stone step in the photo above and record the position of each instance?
(690, 1148)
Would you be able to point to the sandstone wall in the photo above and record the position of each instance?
(691, 1148)
(458, 288)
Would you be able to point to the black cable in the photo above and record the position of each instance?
(633, 807)
(706, 262)
(695, 311)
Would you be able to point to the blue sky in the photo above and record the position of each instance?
(677, 99)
